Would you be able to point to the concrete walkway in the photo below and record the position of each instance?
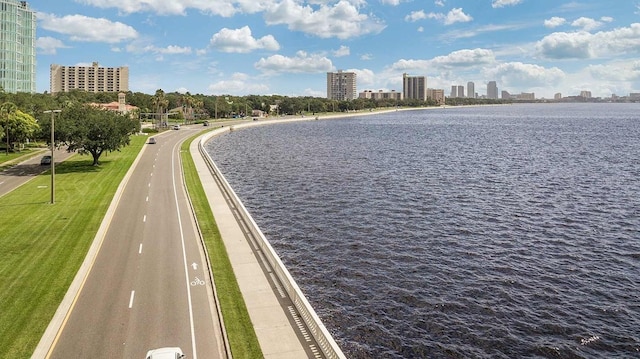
(277, 336)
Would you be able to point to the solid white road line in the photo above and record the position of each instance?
(133, 293)
(184, 251)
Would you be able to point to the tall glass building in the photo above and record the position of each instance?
(17, 47)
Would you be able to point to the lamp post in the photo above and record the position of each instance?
(53, 166)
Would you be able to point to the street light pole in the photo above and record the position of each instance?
(53, 166)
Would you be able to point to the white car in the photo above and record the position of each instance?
(165, 353)
(176, 127)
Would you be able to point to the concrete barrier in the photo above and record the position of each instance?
(319, 332)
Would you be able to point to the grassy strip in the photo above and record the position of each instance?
(242, 337)
(42, 245)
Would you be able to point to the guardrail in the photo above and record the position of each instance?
(320, 333)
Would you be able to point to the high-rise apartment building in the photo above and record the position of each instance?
(436, 95)
(89, 78)
(341, 85)
(492, 90)
(17, 47)
(460, 91)
(414, 87)
(454, 91)
(471, 90)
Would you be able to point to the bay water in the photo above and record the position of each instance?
(474, 232)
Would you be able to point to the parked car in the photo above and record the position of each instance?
(165, 353)
(176, 127)
(45, 160)
(152, 140)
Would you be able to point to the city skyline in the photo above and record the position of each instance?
(287, 46)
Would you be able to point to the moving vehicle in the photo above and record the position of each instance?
(152, 140)
(165, 353)
(45, 160)
(176, 127)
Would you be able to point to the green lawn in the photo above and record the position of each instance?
(12, 158)
(242, 337)
(43, 245)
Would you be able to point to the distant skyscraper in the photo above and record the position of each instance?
(454, 91)
(17, 47)
(461, 91)
(341, 85)
(492, 90)
(92, 78)
(471, 90)
(414, 87)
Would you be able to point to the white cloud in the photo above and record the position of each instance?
(465, 58)
(454, 16)
(587, 24)
(342, 19)
(503, 3)
(366, 57)
(342, 51)
(554, 22)
(224, 8)
(584, 45)
(89, 29)
(241, 41)
(620, 71)
(439, 3)
(239, 84)
(49, 45)
(301, 63)
(524, 75)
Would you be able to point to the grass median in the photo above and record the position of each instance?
(242, 338)
(42, 245)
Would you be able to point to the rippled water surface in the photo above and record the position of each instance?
(492, 232)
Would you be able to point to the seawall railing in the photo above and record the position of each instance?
(319, 332)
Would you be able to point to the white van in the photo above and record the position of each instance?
(165, 353)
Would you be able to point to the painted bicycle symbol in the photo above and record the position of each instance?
(197, 281)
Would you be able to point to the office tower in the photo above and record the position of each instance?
(341, 85)
(414, 87)
(492, 90)
(454, 91)
(471, 90)
(92, 78)
(460, 91)
(17, 47)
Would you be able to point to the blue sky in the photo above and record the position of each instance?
(285, 47)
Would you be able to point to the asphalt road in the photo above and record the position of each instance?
(148, 286)
(16, 176)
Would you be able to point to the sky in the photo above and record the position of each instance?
(286, 47)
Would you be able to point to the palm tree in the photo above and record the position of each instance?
(160, 103)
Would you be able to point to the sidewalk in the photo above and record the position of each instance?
(277, 337)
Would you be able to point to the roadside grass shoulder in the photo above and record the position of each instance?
(42, 245)
(242, 338)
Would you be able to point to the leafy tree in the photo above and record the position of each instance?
(88, 129)
(17, 126)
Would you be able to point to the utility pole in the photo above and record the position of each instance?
(53, 166)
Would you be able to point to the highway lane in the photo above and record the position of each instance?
(148, 286)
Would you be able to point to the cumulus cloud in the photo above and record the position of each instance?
(503, 3)
(439, 3)
(224, 8)
(520, 74)
(238, 84)
(342, 51)
(587, 24)
(554, 22)
(624, 71)
(454, 16)
(241, 41)
(169, 50)
(342, 19)
(49, 45)
(461, 59)
(301, 63)
(584, 45)
(90, 29)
